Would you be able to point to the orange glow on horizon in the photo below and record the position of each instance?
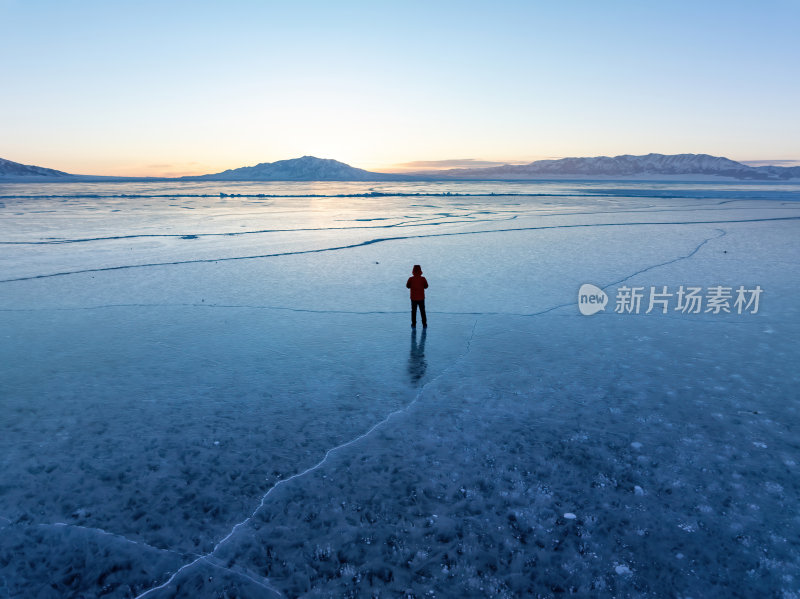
(176, 169)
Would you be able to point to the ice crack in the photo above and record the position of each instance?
(366, 312)
(679, 258)
(119, 537)
(328, 454)
(238, 571)
(386, 239)
(99, 532)
(722, 233)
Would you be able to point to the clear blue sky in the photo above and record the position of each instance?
(178, 87)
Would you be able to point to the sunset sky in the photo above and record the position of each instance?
(190, 87)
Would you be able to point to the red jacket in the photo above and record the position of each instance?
(417, 284)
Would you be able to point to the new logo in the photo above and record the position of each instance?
(591, 299)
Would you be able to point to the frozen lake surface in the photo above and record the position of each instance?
(212, 390)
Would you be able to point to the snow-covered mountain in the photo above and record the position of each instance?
(9, 169)
(627, 166)
(780, 172)
(307, 168)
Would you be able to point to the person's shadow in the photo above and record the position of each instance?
(416, 359)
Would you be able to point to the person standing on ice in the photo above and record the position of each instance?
(417, 284)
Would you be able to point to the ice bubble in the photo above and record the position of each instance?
(636, 445)
(638, 490)
(570, 516)
(623, 570)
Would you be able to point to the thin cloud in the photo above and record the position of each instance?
(452, 163)
(183, 174)
(779, 162)
(173, 165)
(175, 169)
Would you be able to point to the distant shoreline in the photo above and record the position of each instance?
(550, 179)
(645, 168)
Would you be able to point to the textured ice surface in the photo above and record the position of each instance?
(212, 396)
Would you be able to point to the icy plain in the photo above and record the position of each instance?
(212, 390)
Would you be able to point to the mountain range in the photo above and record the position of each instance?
(15, 169)
(627, 165)
(309, 168)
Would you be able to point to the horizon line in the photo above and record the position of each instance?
(421, 167)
